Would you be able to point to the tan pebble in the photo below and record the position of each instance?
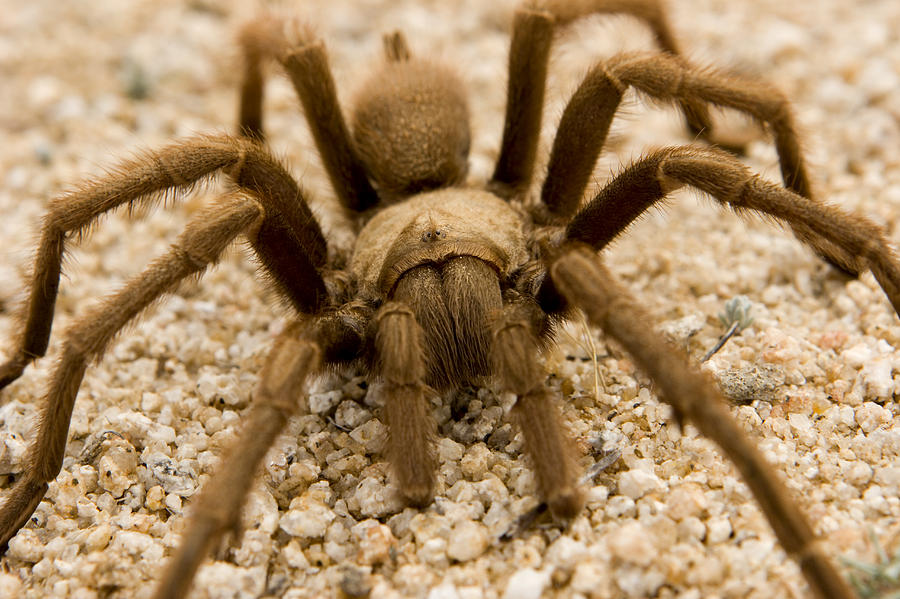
(467, 541)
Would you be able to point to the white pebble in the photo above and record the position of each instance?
(376, 499)
(475, 462)
(588, 578)
(526, 583)
(856, 473)
(870, 416)
(566, 552)
(875, 500)
(444, 591)
(467, 541)
(637, 483)
(889, 476)
(10, 585)
(221, 580)
(433, 551)
(856, 356)
(350, 414)
(12, 454)
(449, 451)
(307, 518)
(116, 469)
(371, 435)
(686, 500)
(619, 506)
(375, 542)
(26, 546)
(138, 544)
(632, 544)
(718, 530)
(877, 375)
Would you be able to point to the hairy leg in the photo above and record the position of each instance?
(306, 62)
(844, 238)
(200, 245)
(551, 450)
(533, 29)
(585, 123)
(411, 429)
(585, 282)
(289, 242)
(217, 508)
(260, 41)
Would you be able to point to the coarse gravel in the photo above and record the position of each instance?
(814, 377)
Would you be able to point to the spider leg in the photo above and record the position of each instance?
(306, 63)
(289, 242)
(259, 40)
(197, 247)
(847, 239)
(529, 53)
(585, 282)
(411, 429)
(216, 509)
(585, 122)
(551, 450)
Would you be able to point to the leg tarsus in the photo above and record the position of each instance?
(551, 452)
(411, 433)
(547, 443)
(20, 504)
(12, 369)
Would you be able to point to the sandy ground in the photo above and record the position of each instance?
(670, 519)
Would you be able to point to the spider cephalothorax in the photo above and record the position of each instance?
(446, 285)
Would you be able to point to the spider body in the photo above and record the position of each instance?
(449, 242)
(446, 284)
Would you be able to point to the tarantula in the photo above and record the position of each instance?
(446, 284)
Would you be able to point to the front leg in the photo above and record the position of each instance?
(586, 283)
(547, 443)
(217, 509)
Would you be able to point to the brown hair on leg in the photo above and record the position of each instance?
(260, 41)
(201, 243)
(217, 507)
(411, 428)
(846, 239)
(307, 66)
(529, 54)
(585, 123)
(582, 278)
(653, 13)
(396, 48)
(551, 450)
(289, 241)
